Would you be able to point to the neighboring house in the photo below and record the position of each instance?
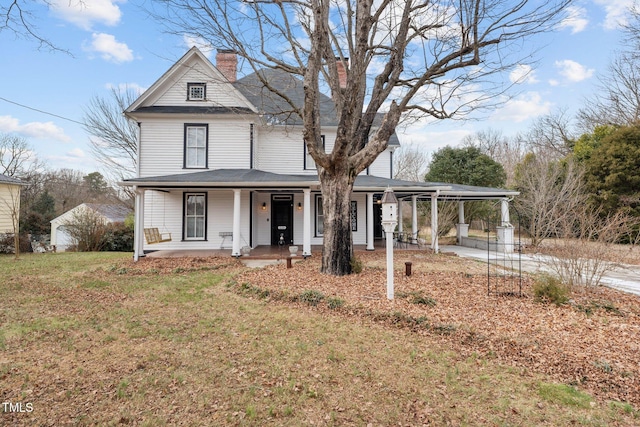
(9, 203)
(60, 238)
(222, 165)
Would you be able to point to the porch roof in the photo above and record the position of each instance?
(258, 179)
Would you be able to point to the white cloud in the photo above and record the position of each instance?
(576, 19)
(523, 74)
(526, 106)
(616, 12)
(109, 48)
(204, 46)
(123, 87)
(77, 153)
(87, 12)
(38, 130)
(573, 71)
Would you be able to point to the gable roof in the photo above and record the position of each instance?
(145, 102)
(112, 213)
(252, 95)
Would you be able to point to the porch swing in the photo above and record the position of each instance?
(152, 235)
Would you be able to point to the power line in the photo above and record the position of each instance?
(41, 111)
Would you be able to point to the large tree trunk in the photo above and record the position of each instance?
(336, 203)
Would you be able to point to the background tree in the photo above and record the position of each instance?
(466, 165)
(16, 155)
(504, 150)
(410, 163)
(401, 58)
(551, 192)
(114, 138)
(613, 171)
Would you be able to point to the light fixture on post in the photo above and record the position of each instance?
(264, 206)
(389, 221)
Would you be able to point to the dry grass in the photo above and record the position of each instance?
(92, 339)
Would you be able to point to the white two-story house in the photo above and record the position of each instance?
(222, 164)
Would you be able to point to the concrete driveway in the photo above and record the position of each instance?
(625, 277)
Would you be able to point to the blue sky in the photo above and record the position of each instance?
(113, 42)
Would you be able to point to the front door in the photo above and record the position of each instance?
(282, 219)
(377, 221)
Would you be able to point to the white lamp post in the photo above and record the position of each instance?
(389, 221)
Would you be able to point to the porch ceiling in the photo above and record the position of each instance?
(261, 180)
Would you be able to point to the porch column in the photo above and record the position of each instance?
(462, 229)
(414, 219)
(434, 222)
(370, 222)
(138, 227)
(505, 230)
(400, 226)
(306, 226)
(236, 223)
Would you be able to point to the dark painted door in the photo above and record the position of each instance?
(282, 220)
(377, 221)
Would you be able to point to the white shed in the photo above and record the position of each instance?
(61, 239)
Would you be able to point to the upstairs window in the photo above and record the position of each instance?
(196, 138)
(196, 91)
(309, 163)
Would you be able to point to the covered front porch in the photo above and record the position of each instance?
(250, 211)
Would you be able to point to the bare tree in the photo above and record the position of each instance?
(401, 58)
(550, 193)
(504, 150)
(114, 137)
(20, 18)
(617, 98)
(552, 134)
(15, 155)
(410, 163)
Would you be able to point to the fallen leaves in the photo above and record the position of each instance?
(596, 349)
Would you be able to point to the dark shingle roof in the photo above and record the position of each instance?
(254, 178)
(5, 179)
(192, 109)
(278, 109)
(114, 213)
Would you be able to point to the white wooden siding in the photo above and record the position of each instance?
(219, 91)
(164, 211)
(162, 147)
(9, 201)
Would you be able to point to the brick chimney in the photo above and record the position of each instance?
(227, 63)
(342, 72)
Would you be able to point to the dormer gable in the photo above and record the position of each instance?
(192, 83)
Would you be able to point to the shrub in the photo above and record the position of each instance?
(335, 303)
(117, 238)
(356, 265)
(550, 289)
(311, 297)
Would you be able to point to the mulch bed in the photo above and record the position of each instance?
(592, 342)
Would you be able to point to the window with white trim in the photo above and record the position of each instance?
(196, 91)
(195, 216)
(309, 163)
(195, 145)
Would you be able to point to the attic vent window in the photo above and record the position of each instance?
(196, 91)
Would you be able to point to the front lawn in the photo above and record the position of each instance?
(94, 339)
